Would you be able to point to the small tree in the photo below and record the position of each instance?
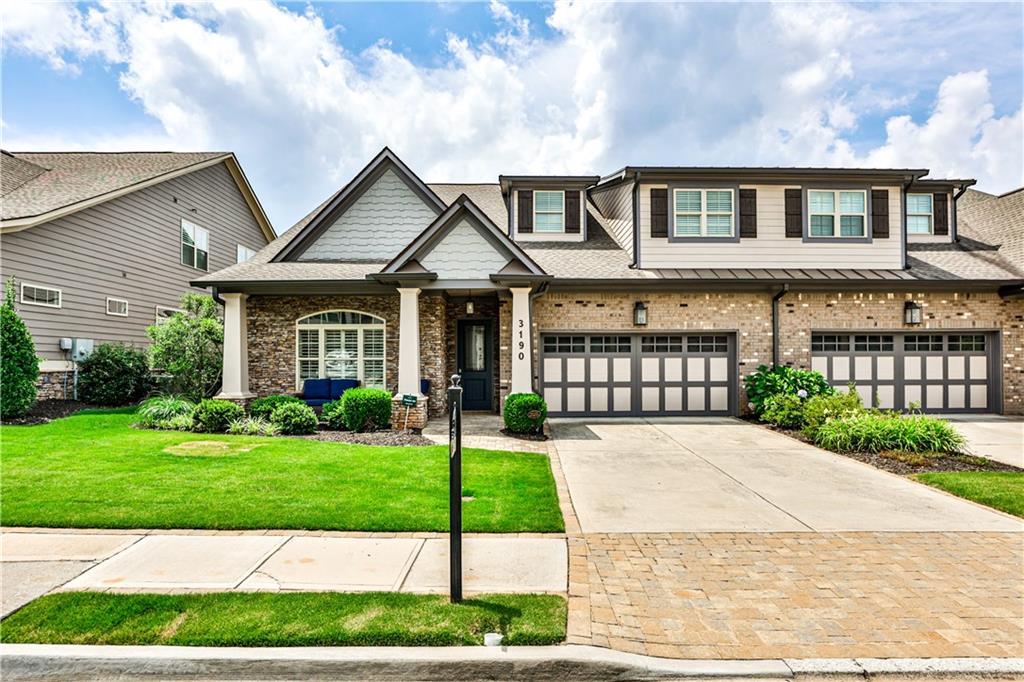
(188, 347)
(19, 366)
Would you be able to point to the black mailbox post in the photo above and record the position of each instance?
(455, 487)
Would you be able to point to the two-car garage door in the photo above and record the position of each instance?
(935, 372)
(638, 374)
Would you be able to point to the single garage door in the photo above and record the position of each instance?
(638, 374)
(936, 372)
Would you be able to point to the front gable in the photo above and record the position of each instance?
(372, 218)
(464, 253)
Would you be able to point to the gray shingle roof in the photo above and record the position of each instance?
(994, 220)
(34, 183)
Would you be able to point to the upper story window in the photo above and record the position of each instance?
(549, 211)
(164, 313)
(118, 307)
(195, 246)
(244, 253)
(32, 294)
(703, 212)
(920, 215)
(837, 213)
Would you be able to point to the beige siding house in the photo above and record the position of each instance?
(98, 243)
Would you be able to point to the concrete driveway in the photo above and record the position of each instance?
(992, 436)
(723, 474)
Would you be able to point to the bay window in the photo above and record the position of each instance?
(340, 344)
(837, 213)
(703, 212)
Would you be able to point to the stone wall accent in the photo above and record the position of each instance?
(504, 349)
(484, 308)
(50, 385)
(418, 415)
(800, 313)
(433, 350)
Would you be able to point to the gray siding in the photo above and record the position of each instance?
(616, 205)
(464, 253)
(379, 224)
(771, 248)
(127, 248)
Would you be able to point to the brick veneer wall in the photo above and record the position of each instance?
(271, 327)
(799, 313)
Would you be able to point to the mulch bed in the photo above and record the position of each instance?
(371, 437)
(525, 436)
(48, 410)
(906, 464)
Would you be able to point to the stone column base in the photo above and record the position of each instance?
(417, 414)
(242, 399)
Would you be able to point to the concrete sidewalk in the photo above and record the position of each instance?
(34, 563)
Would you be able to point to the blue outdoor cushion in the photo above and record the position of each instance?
(316, 389)
(339, 386)
(317, 402)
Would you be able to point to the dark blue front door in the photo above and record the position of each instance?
(475, 355)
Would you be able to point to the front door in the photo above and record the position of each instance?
(475, 356)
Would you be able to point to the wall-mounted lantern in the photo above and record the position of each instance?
(469, 307)
(912, 312)
(639, 314)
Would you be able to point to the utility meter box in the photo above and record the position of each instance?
(80, 349)
(65, 343)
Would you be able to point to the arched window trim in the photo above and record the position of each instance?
(312, 342)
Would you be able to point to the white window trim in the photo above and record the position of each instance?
(60, 295)
(360, 356)
(536, 212)
(195, 249)
(161, 320)
(703, 213)
(238, 248)
(119, 300)
(837, 215)
(930, 214)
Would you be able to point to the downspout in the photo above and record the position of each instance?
(636, 221)
(775, 323)
(534, 295)
(960, 193)
(215, 295)
(903, 222)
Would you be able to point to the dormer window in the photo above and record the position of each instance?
(920, 216)
(837, 213)
(703, 212)
(549, 211)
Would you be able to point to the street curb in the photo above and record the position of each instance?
(576, 662)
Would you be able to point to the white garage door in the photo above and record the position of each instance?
(935, 372)
(638, 374)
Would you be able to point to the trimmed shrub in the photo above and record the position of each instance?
(113, 375)
(768, 381)
(214, 416)
(182, 422)
(525, 413)
(821, 408)
(784, 409)
(877, 431)
(164, 407)
(188, 347)
(263, 408)
(19, 366)
(365, 409)
(332, 414)
(294, 419)
(253, 426)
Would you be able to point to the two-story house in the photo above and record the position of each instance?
(650, 291)
(103, 245)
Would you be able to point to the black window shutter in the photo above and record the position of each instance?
(572, 212)
(941, 212)
(659, 213)
(880, 213)
(748, 213)
(524, 211)
(794, 213)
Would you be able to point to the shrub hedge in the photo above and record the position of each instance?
(295, 419)
(822, 408)
(877, 431)
(525, 413)
(332, 414)
(19, 366)
(113, 375)
(365, 409)
(214, 416)
(253, 426)
(768, 381)
(263, 408)
(785, 410)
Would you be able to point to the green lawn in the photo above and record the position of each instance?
(1003, 490)
(296, 619)
(93, 470)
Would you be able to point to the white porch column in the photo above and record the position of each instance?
(522, 342)
(409, 341)
(235, 381)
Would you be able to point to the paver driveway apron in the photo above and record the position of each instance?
(723, 474)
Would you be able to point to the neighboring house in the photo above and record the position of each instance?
(994, 221)
(103, 245)
(650, 291)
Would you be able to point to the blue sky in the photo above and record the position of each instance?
(305, 94)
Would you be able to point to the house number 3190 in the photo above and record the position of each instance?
(522, 344)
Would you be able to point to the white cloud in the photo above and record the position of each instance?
(616, 83)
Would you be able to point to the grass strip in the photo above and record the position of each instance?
(293, 619)
(1002, 490)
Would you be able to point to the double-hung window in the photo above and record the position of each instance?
(195, 246)
(920, 217)
(703, 212)
(549, 211)
(837, 213)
